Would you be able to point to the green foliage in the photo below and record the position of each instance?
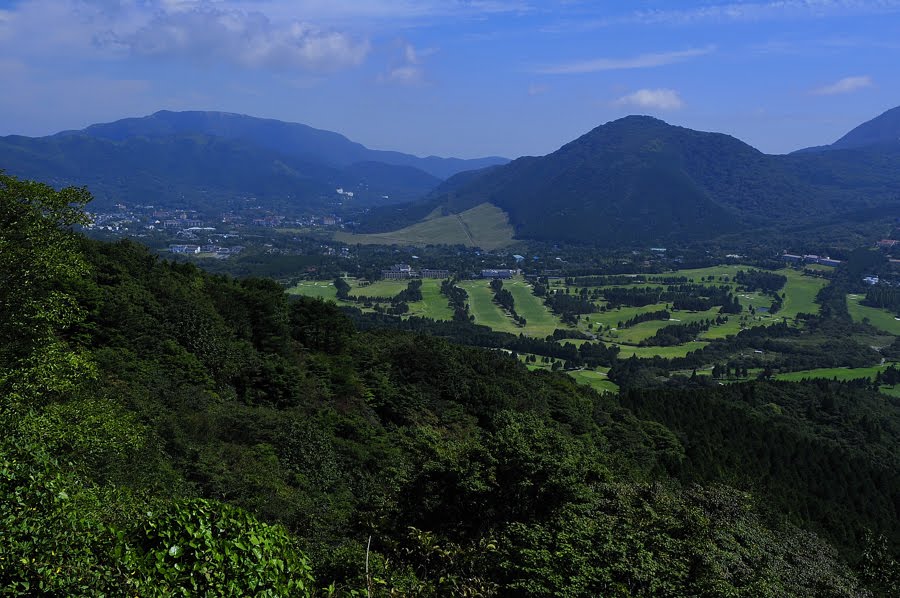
(229, 424)
(38, 261)
(200, 547)
(649, 540)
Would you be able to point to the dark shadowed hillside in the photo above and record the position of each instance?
(638, 180)
(291, 139)
(207, 160)
(883, 130)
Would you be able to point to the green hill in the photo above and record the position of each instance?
(484, 226)
(638, 180)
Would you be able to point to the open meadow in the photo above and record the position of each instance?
(799, 297)
(879, 318)
(540, 321)
(433, 305)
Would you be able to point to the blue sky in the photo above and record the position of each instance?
(457, 77)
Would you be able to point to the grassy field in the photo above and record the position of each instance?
(433, 304)
(379, 288)
(485, 226)
(482, 306)
(627, 351)
(879, 318)
(541, 322)
(595, 379)
(800, 293)
(832, 373)
(315, 288)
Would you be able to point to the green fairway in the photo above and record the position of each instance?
(698, 274)
(482, 306)
(379, 288)
(627, 351)
(879, 318)
(314, 288)
(485, 226)
(433, 305)
(541, 322)
(595, 379)
(800, 293)
(832, 373)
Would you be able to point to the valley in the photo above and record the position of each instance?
(271, 361)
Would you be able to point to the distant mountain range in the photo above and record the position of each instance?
(636, 180)
(640, 180)
(883, 131)
(207, 158)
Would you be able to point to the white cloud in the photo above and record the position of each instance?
(642, 61)
(404, 75)
(535, 90)
(409, 68)
(251, 34)
(659, 99)
(248, 39)
(845, 85)
(773, 10)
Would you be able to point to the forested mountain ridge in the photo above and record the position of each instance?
(639, 180)
(172, 431)
(882, 131)
(291, 139)
(210, 160)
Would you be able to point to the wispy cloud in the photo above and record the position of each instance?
(735, 12)
(658, 99)
(248, 39)
(535, 89)
(641, 61)
(409, 69)
(845, 85)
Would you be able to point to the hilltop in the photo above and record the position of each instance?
(638, 180)
(209, 159)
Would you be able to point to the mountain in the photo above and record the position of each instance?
(290, 139)
(883, 130)
(641, 180)
(212, 161)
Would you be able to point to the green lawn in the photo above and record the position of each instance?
(485, 226)
(379, 288)
(879, 318)
(832, 373)
(698, 274)
(541, 322)
(627, 351)
(433, 304)
(595, 379)
(800, 293)
(482, 306)
(315, 288)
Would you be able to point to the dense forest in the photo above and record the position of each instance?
(172, 432)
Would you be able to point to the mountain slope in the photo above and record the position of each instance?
(640, 180)
(883, 130)
(205, 172)
(291, 139)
